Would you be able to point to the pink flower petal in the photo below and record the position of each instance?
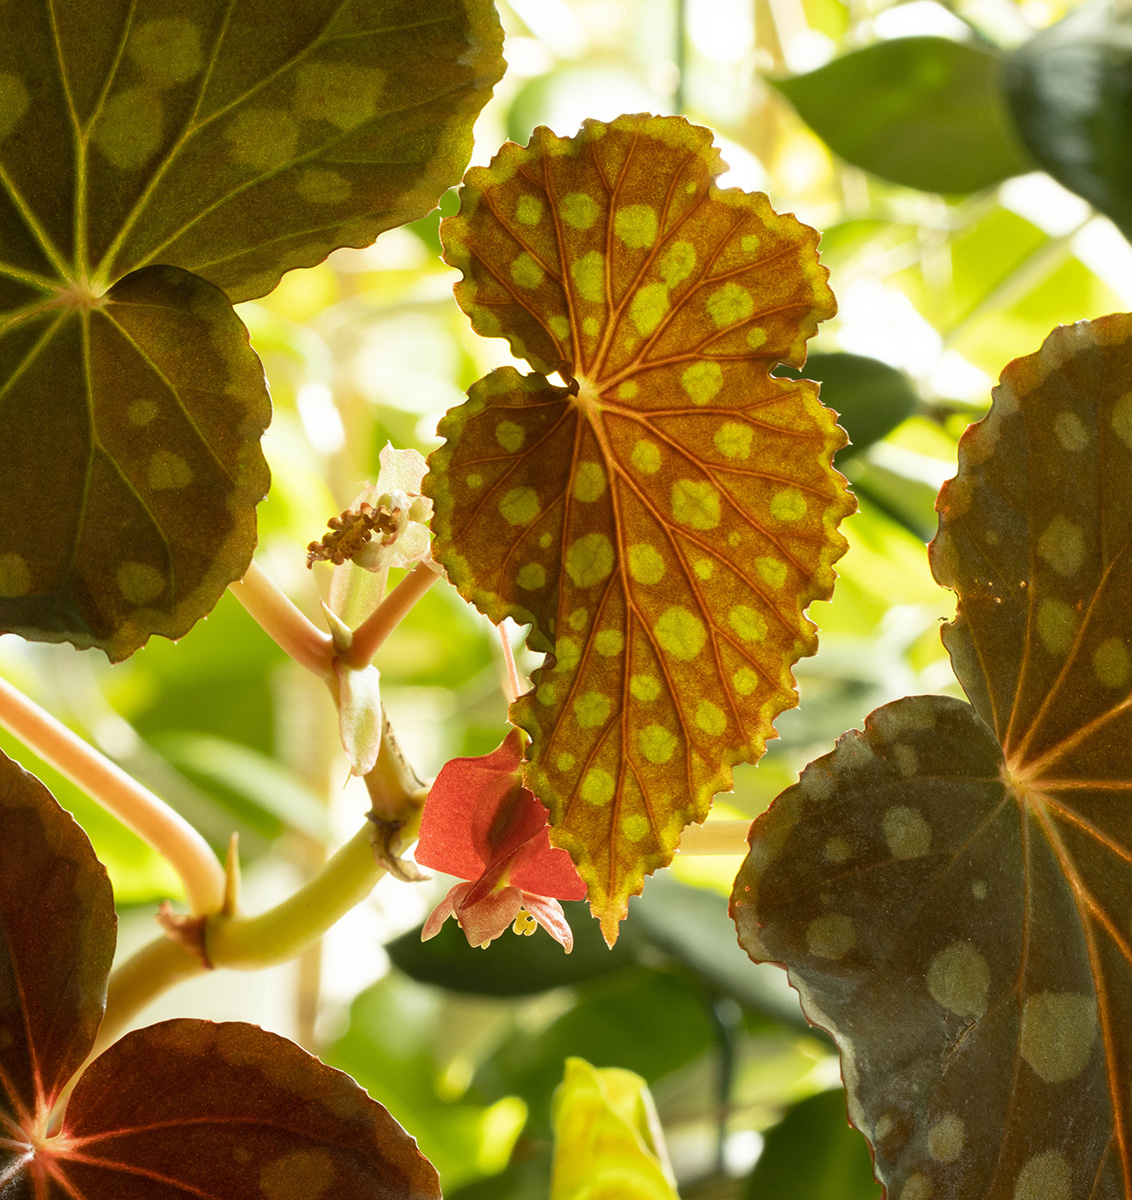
(445, 909)
(546, 870)
(485, 920)
(548, 913)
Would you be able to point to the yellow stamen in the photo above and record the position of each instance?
(525, 924)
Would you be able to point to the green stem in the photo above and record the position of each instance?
(248, 943)
(134, 805)
(715, 837)
(282, 621)
(373, 631)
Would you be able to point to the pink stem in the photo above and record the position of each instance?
(283, 622)
(373, 631)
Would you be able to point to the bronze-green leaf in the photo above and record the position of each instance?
(665, 518)
(131, 428)
(233, 140)
(950, 891)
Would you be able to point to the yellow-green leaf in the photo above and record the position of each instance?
(664, 519)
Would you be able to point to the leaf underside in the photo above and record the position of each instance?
(224, 140)
(950, 890)
(184, 1107)
(664, 519)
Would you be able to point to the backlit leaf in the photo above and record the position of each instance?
(232, 140)
(1068, 92)
(950, 890)
(183, 1107)
(927, 112)
(665, 518)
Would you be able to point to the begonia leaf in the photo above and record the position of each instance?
(950, 889)
(181, 1108)
(234, 141)
(664, 519)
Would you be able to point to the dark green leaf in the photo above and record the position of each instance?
(925, 112)
(515, 966)
(814, 1154)
(870, 397)
(1070, 91)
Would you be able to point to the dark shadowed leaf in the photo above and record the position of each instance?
(1070, 91)
(228, 1111)
(665, 519)
(926, 112)
(814, 1154)
(950, 890)
(235, 141)
(133, 425)
(870, 397)
(184, 1107)
(57, 934)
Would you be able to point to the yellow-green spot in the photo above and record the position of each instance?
(745, 681)
(167, 471)
(695, 503)
(680, 633)
(1122, 419)
(747, 623)
(510, 435)
(579, 210)
(749, 243)
(474, 481)
(130, 128)
(588, 274)
(546, 694)
(531, 576)
(657, 744)
(589, 482)
(677, 263)
(703, 568)
(565, 761)
(627, 390)
(139, 583)
(141, 412)
(14, 102)
(730, 304)
(320, 186)
(529, 210)
(567, 654)
(645, 688)
(1111, 663)
(710, 718)
(577, 619)
(264, 138)
(771, 570)
(645, 564)
(788, 504)
(591, 326)
(649, 305)
(646, 457)
(634, 826)
(519, 506)
(544, 539)
(15, 575)
(609, 642)
(733, 440)
(526, 272)
(636, 225)
(1057, 626)
(702, 381)
(589, 559)
(341, 93)
(166, 50)
(756, 338)
(597, 787)
(560, 327)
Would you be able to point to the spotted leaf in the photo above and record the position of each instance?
(142, 142)
(662, 520)
(183, 1107)
(950, 889)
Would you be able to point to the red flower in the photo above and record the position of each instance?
(481, 824)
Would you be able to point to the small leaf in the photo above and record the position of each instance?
(135, 424)
(813, 1153)
(607, 1138)
(950, 890)
(664, 520)
(1068, 91)
(925, 112)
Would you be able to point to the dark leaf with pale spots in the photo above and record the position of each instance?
(950, 890)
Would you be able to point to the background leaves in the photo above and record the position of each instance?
(602, 518)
